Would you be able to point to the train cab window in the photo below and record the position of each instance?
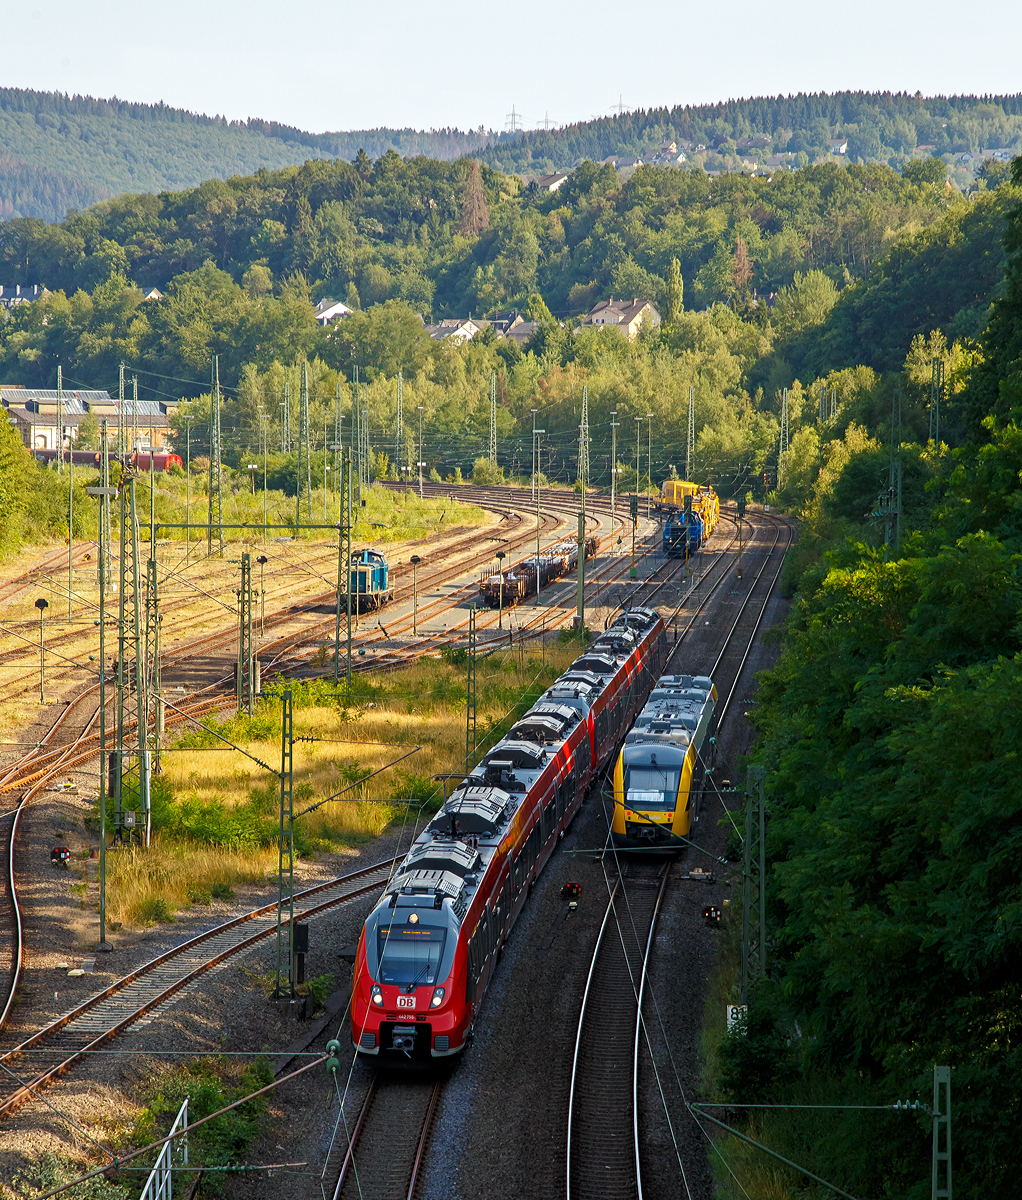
(649, 787)
(410, 953)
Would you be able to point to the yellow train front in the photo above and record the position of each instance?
(660, 769)
(704, 500)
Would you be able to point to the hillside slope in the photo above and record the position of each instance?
(881, 126)
(96, 148)
(92, 148)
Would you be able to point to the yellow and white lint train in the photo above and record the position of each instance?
(660, 770)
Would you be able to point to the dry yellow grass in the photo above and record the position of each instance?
(221, 809)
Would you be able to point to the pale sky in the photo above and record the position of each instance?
(360, 65)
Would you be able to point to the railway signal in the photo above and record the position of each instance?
(415, 594)
(42, 605)
(500, 603)
(740, 517)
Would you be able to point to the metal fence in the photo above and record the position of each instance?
(160, 1185)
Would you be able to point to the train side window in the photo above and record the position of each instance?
(518, 870)
(549, 819)
(503, 909)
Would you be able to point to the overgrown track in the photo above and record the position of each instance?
(388, 1139)
(57, 1047)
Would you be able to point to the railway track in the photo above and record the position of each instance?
(56, 1048)
(61, 1044)
(603, 1142)
(615, 1033)
(389, 1138)
(127, 1001)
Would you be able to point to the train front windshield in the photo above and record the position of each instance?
(410, 953)
(649, 788)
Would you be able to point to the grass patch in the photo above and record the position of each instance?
(318, 988)
(209, 1085)
(216, 813)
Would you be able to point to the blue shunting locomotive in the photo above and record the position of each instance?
(369, 580)
(681, 528)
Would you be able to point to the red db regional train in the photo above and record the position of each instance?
(139, 459)
(429, 947)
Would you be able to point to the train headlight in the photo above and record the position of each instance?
(377, 997)
(438, 998)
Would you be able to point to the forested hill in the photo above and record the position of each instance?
(59, 152)
(878, 126)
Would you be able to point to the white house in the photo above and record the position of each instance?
(627, 315)
(330, 310)
(463, 329)
(550, 183)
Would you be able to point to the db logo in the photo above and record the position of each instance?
(406, 1001)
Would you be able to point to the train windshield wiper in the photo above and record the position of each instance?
(410, 988)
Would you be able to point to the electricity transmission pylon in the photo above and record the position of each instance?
(366, 455)
(356, 436)
(936, 382)
(133, 755)
(783, 445)
(216, 499)
(583, 443)
(493, 418)
(399, 424)
(690, 445)
(304, 449)
(154, 702)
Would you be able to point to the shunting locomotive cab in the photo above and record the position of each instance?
(369, 580)
(660, 770)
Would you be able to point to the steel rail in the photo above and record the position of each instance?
(356, 1133)
(639, 1029)
(578, 1033)
(759, 619)
(589, 999)
(375, 1096)
(163, 993)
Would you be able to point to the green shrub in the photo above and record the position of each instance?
(52, 1170)
(153, 910)
(210, 1084)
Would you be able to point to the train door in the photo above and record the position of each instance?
(583, 761)
(502, 912)
(480, 954)
(562, 799)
